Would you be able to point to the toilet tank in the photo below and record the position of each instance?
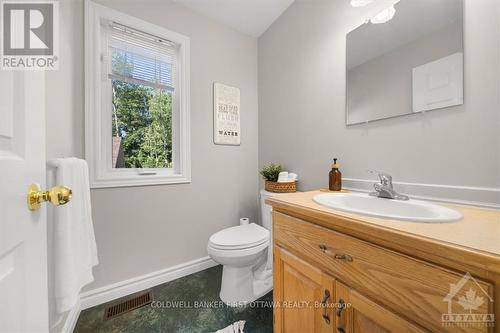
(266, 210)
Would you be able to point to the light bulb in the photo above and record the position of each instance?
(360, 3)
(384, 16)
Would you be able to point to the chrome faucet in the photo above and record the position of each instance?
(385, 189)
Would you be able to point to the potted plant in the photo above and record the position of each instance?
(270, 173)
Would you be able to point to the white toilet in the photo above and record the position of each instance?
(245, 251)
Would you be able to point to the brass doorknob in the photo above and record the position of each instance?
(58, 195)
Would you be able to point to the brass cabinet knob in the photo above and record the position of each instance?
(342, 306)
(341, 302)
(324, 304)
(58, 195)
(345, 257)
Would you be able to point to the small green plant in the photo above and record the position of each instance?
(271, 172)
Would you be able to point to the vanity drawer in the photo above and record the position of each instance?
(413, 288)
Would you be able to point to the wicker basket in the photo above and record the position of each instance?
(276, 187)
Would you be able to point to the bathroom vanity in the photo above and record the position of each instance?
(342, 272)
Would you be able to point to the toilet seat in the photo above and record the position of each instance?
(239, 237)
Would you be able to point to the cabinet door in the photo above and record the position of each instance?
(358, 314)
(303, 296)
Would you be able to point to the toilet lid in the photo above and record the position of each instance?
(239, 237)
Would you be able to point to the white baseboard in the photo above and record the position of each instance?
(467, 195)
(111, 292)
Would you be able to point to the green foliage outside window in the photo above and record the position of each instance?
(142, 118)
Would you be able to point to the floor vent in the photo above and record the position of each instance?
(128, 305)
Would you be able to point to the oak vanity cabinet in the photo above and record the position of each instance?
(304, 293)
(311, 301)
(364, 315)
(328, 281)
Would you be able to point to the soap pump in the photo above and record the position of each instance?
(335, 177)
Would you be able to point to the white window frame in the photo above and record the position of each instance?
(98, 116)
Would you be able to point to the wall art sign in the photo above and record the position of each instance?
(226, 115)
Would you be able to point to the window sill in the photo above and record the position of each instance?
(137, 180)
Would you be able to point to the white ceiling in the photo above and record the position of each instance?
(251, 17)
(413, 19)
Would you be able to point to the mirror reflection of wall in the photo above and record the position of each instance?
(405, 60)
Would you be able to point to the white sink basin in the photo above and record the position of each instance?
(411, 210)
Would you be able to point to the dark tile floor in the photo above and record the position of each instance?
(189, 305)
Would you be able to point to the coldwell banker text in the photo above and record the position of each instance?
(30, 35)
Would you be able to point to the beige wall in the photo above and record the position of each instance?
(144, 229)
(302, 106)
(301, 124)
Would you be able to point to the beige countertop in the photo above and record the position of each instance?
(479, 229)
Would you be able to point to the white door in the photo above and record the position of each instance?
(23, 248)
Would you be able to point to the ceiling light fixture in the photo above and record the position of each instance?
(384, 16)
(360, 3)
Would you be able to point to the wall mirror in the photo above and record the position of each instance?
(407, 59)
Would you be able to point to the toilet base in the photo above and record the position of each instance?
(239, 286)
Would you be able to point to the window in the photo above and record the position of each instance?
(137, 101)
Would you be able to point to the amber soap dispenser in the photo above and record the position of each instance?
(335, 177)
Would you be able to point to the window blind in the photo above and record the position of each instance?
(140, 58)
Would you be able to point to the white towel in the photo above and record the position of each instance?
(75, 251)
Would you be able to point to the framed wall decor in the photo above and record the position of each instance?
(226, 115)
